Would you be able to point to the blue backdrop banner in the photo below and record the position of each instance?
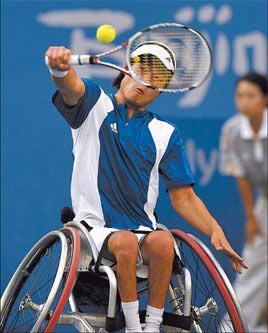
(36, 142)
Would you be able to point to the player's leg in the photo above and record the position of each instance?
(123, 245)
(158, 252)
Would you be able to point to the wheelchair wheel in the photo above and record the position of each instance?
(37, 286)
(214, 306)
(70, 280)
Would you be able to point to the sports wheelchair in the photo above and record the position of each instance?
(57, 284)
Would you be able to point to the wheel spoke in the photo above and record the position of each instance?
(37, 280)
(213, 306)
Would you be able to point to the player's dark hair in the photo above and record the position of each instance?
(117, 80)
(260, 80)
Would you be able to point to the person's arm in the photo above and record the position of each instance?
(252, 226)
(71, 87)
(188, 205)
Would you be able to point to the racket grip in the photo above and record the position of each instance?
(76, 59)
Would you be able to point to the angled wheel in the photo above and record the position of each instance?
(214, 306)
(37, 285)
(71, 268)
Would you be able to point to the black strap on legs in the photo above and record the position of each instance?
(104, 249)
(84, 223)
(103, 252)
(145, 232)
(177, 263)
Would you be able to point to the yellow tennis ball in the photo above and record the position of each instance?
(106, 33)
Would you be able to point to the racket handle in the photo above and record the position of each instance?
(77, 59)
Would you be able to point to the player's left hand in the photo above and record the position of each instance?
(219, 241)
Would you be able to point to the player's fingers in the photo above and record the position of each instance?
(58, 57)
(244, 264)
(235, 257)
(66, 56)
(65, 59)
(52, 55)
(48, 57)
(64, 67)
(236, 266)
(228, 250)
(60, 54)
(231, 253)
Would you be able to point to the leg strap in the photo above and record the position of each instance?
(103, 253)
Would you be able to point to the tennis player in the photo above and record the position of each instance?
(120, 150)
(244, 156)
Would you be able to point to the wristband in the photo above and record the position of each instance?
(57, 73)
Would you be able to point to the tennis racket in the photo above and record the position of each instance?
(168, 57)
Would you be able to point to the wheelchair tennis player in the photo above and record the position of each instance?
(120, 150)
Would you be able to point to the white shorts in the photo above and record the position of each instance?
(98, 235)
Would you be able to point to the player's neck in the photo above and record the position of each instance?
(131, 107)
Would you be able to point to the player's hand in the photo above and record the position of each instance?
(58, 57)
(219, 241)
(252, 229)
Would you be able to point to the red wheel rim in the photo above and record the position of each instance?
(69, 282)
(216, 276)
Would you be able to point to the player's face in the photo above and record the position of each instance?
(152, 71)
(249, 99)
(135, 93)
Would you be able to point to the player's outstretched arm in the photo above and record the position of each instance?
(188, 205)
(70, 86)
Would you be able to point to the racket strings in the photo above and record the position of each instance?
(191, 52)
(150, 69)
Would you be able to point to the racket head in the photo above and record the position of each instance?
(169, 57)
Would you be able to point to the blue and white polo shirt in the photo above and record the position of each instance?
(117, 162)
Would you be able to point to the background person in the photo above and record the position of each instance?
(120, 149)
(244, 155)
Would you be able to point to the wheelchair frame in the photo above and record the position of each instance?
(77, 252)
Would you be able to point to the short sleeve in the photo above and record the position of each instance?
(76, 115)
(229, 160)
(174, 166)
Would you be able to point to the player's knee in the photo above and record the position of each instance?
(161, 244)
(126, 246)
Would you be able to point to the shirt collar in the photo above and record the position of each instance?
(246, 131)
